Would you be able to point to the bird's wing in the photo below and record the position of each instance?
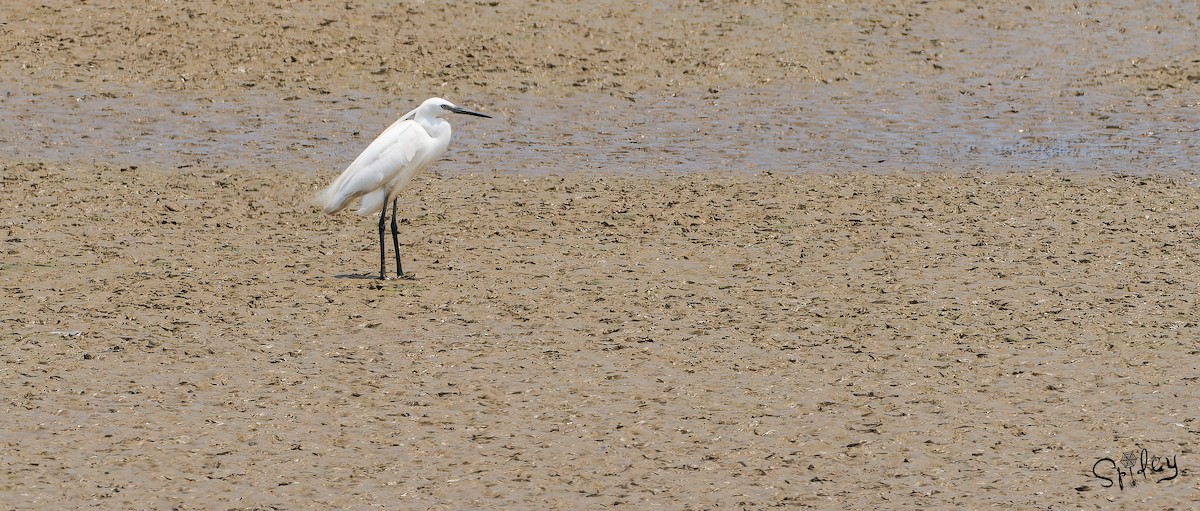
(389, 155)
(411, 114)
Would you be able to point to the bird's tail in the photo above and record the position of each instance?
(332, 199)
(335, 198)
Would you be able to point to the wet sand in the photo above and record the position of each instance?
(944, 338)
(580, 342)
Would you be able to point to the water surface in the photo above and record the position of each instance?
(773, 129)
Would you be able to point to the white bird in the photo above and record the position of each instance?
(404, 149)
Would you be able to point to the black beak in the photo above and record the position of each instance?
(458, 110)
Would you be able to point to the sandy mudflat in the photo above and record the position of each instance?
(581, 342)
(203, 338)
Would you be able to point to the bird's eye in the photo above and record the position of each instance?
(446, 107)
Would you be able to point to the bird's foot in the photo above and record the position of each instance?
(384, 278)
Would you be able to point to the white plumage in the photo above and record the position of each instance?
(402, 151)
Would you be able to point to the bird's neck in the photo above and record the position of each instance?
(437, 127)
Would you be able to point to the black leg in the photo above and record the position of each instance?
(396, 241)
(382, 246)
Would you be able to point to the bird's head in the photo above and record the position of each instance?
(438, 107)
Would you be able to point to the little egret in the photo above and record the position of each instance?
(383, 169)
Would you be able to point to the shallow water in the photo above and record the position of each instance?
(765, 130)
